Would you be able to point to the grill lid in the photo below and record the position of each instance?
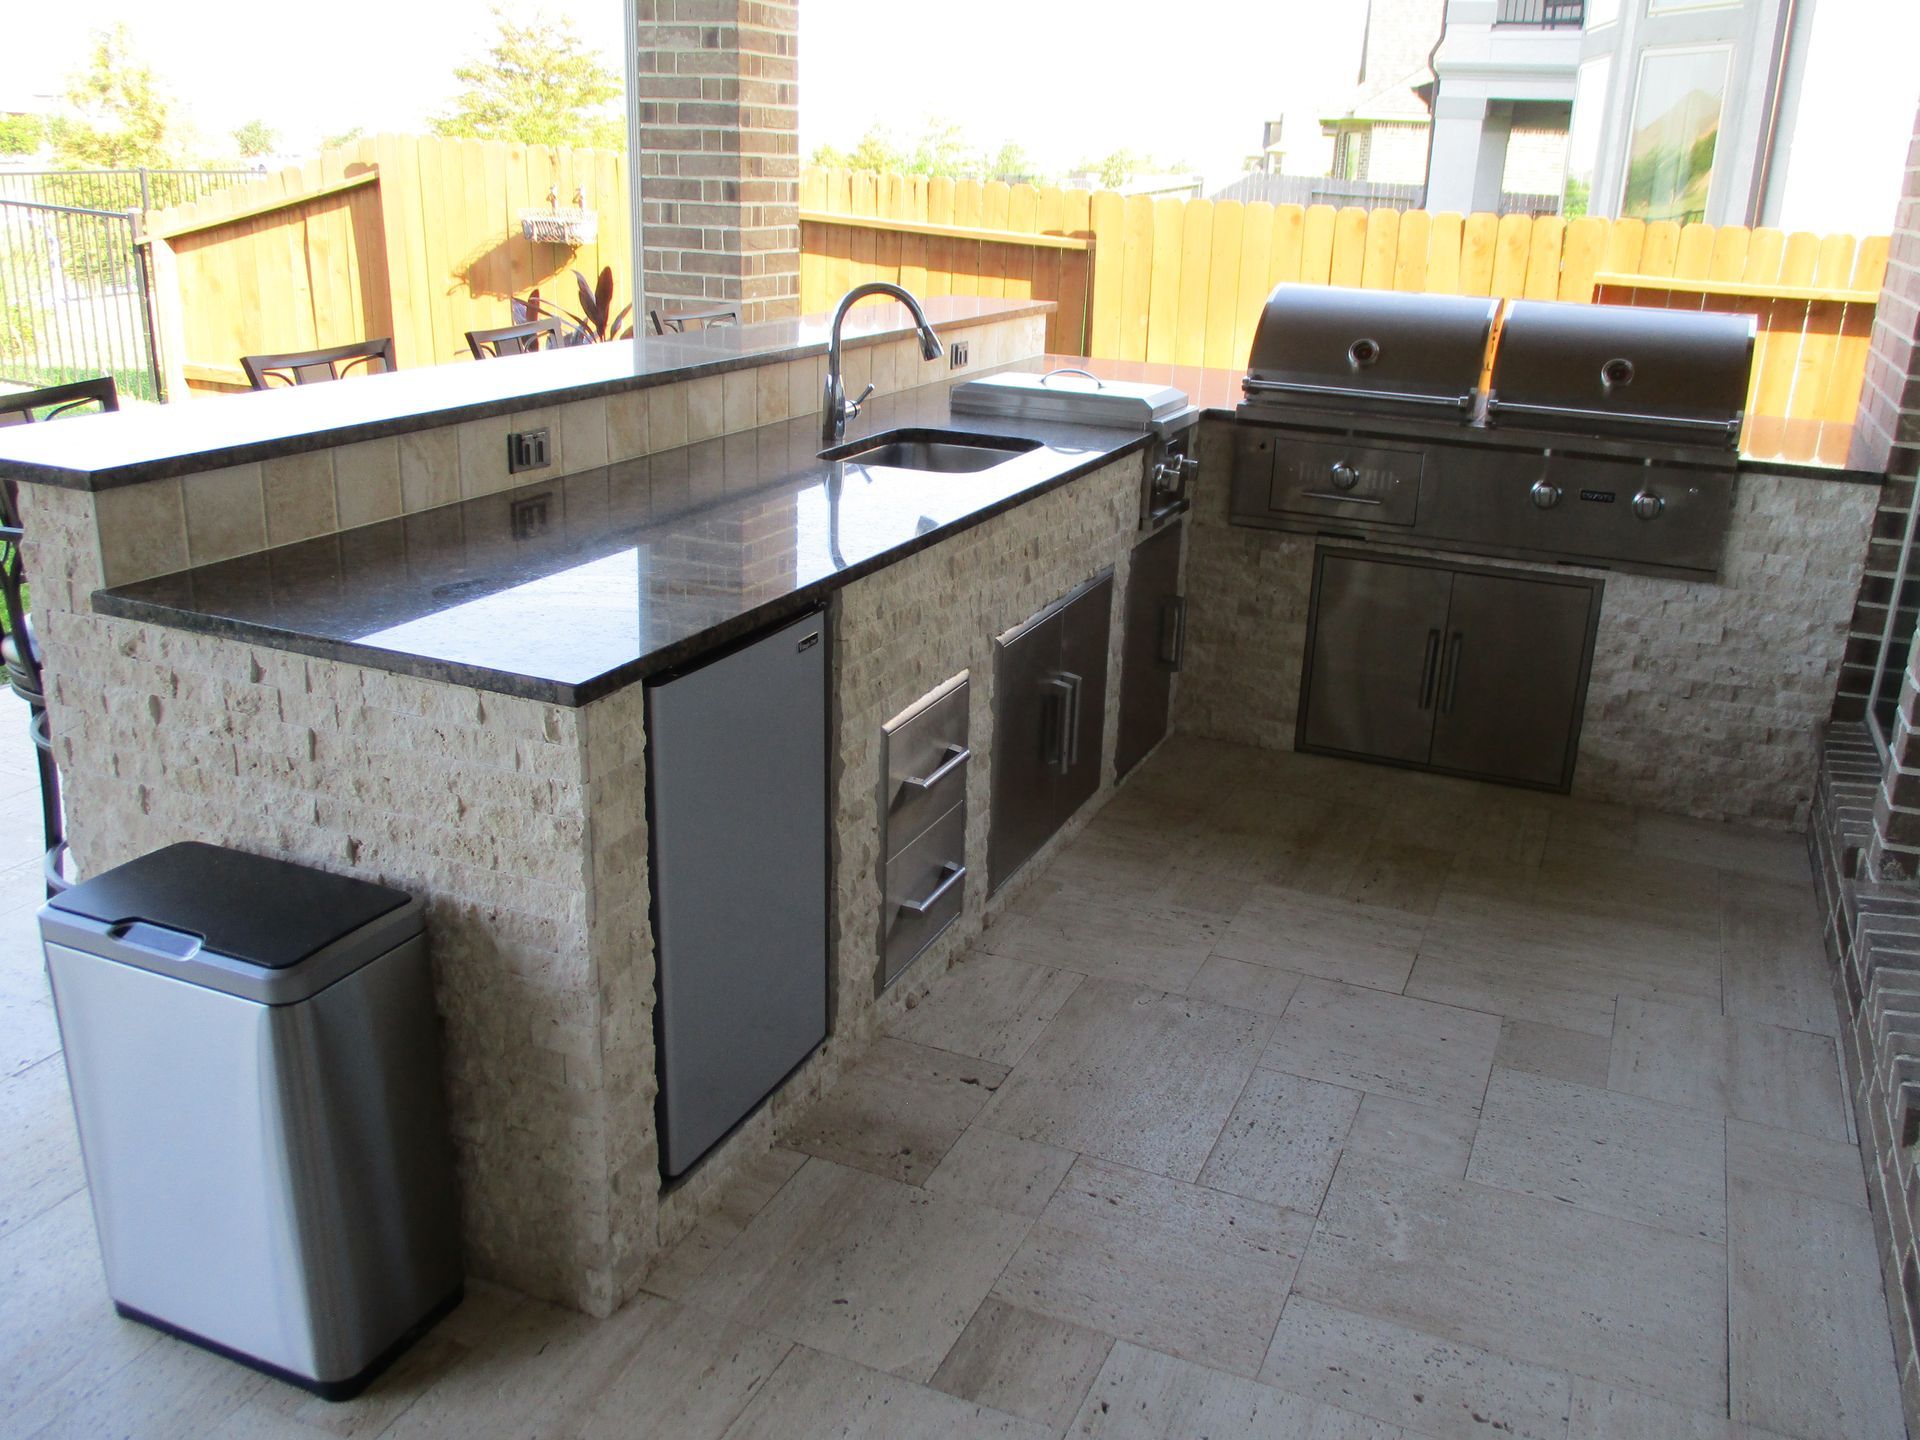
(1375, 351)
(1664, 374)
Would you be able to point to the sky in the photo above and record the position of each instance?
(1067, 81)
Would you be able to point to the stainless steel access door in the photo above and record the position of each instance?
(1151, 646)
(1514, 671)
(1375, 659)
(737, 762)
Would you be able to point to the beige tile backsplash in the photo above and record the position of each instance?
(169, 524)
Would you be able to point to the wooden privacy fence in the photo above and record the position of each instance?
(1183, 281)
(412, 237)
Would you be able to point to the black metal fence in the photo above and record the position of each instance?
(138, 189)
(75, 299)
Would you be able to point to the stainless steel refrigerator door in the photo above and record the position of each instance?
(1514, 676)
(737, 760)
(1150, 648)
(1378, 636)
(274, 1179)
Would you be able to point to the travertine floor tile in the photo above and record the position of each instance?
(1396, 876)
(1607, 1412)
(1185, 1270)
(1244, 986)
(1161, 947)
(1282, 1140)
(1602, 1151)
(1404, 1377)
(986, 1167)
(1825, 1169)
(170, 1389)
(1607, 884)
(690, 1377)
(1775, 962)
(1143, 1395)
(759, 1180)
(815, 1396)
(1419, 1139)
(1769, 854)
(42, 1165)
(1363, 944)
(1133, 1076)
(1591, 824)
(1386, 1044)
(862, 1267)
(1532, 1279)
(988, 1006)
(1811, 1354)
(1028, 1365)
(1553, 1051)
(898, 1110)
(1686, 1056)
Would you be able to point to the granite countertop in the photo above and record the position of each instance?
(573, 587)
(151, 442)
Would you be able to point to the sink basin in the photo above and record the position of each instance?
(945, 452)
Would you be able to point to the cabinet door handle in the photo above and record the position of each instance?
(1070, 747)
(1062, 692)
(1173, 637)
(1341, 496)
(957, 755)
(1427, 677)
(951, 874)
(1453, 672)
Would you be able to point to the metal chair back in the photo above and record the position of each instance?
(521, 339)
(20, 407)
(306, 367)
(699, 318)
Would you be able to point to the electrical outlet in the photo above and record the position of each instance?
(528, 450)
(527, 516)
(958, 351)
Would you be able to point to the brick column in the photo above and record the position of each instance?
(717, 86)
(1886, 437)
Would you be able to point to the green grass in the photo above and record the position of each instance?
(134, 384)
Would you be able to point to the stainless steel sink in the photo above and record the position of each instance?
(944, 452)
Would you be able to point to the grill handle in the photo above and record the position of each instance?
(1253, 386)
(1729, 428)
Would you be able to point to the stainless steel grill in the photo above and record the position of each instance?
(1608, 436)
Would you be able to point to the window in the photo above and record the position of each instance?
(1583, 134)
(1668, 7)
(1676, 126)
(1602, 12)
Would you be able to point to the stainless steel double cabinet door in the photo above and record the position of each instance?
(1050, 708)
(1464, 669)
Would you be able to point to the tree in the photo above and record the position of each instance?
(539, 84)
(256, 138)
(121, 118)
(343, 139)
(1115, 169)
(21, 134)
(1013, 165)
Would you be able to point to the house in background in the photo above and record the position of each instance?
(1504, 79)
(1381, 135)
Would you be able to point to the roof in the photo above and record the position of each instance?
(1395, 78)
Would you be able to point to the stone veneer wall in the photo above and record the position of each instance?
(167, 525)
(1704, 698)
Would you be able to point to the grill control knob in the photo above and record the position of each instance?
(1647, 505)
(1344, 476)
(1545, 494)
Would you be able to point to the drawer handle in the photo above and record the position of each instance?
(951, 875)
(1344, 499)
(957, 755)
(1070, 746)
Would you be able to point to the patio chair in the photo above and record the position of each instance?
(306, 367)
(522, 339)
(700, 317)
(21, 651)
(19, 407)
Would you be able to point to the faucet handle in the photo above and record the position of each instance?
(853, 406)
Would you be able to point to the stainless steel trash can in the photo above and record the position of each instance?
(255, 1070)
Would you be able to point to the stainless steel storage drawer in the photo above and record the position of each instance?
(926, 886)
(926, 764)
(1278, 474)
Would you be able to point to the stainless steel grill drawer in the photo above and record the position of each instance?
(926, 760)
(1283, 475)
(925, 890)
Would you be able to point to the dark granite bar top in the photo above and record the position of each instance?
(99, 452)
(571, 588)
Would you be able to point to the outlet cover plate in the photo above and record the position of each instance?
(528, 450)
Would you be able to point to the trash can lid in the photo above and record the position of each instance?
(268, 913)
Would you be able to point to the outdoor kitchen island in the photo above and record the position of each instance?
(444, 701)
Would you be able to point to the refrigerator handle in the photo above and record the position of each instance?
(1060, 714)
(1070, 746)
